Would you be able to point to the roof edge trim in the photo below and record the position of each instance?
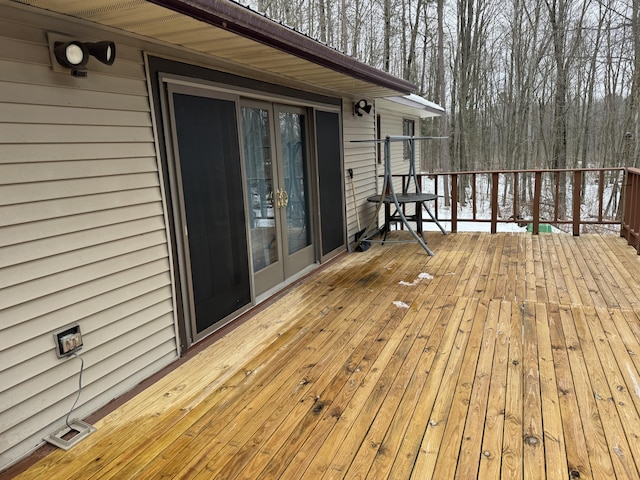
(419, 103)
(245, 22)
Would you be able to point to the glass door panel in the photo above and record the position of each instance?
(276, 171)
(296, 185)
(256, 128)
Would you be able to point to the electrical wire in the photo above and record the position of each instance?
(79, 389)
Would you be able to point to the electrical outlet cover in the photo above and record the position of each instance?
(82, 430)
(68, 340)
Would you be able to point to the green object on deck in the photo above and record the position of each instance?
(542, 228)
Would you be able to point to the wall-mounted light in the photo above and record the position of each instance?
(361, 106)
(74, 55)
(104, 51)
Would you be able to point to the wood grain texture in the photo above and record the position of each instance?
(518, 359)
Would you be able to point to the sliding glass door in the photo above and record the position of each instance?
(209, 203)
(275, 142)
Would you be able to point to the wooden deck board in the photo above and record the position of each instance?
(515, 356)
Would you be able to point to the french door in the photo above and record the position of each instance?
(275, 142)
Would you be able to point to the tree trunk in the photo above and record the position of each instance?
(387, 36)
(634, 128)
(441, 99)
(410, 67)
(557, 18)
(322, 20)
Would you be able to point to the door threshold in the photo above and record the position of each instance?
(281, 286)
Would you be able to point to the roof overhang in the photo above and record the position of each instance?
(233, 33)
(416, 104)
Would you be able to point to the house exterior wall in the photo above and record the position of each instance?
(361, 157)
(391, 123)
(84, 224)
(82, 232)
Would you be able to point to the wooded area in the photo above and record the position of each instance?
(526, 83)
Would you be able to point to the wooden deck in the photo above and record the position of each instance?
(504, 356)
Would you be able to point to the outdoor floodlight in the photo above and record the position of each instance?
(75, 55)
(361, 106)
(104, 51)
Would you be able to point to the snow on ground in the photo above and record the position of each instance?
(474, 227)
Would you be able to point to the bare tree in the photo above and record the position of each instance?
(527, 83)
(387, 35)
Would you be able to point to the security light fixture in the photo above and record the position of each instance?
(104, 51)
(74, 55)
(361, 106)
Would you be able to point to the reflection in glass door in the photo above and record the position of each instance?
(260, 186)
(263, 196)
(294, 158)
(278, 192)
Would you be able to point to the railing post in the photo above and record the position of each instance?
(474, 196)
(577, 187)
(515, 196)
(632, 209)
(454, 203)
(537, 193)
(600, 195)
(625, 197)
(435, 192)
(556, 203)
(494, 201)
(635, 210)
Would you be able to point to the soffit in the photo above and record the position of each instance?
(413, 104)
(237, 35)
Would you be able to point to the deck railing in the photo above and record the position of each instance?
(574, 200)
(630, 227)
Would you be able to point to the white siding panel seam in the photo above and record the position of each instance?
(15, 91)
(59, 227)
(25, 213)
(100, 328)
(36, 309)
(45, 381)
(92, 313)
(79, 274)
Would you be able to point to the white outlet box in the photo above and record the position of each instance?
(68, 340)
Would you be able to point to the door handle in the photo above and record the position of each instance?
(282, 198)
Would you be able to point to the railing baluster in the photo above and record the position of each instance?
(630, 228)
(577, 188)
(495, 177)
(435, 191)
(473, 196)
(537, 193)
(627, 189)
(454, 203)
(600, 195)
(515, 197)
(556, 202)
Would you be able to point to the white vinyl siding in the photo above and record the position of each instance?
(82, 232)
(391, 124)
(361, 157)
